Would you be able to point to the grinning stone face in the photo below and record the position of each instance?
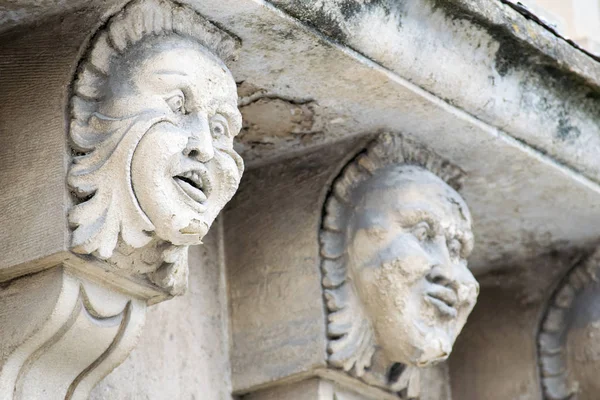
(184, 168)
(409, 237)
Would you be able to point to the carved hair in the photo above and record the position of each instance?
(102, 143)
(351, 338)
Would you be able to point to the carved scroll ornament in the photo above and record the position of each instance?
(75, 332)
(153, 117)
(394, 241)
(567, 342)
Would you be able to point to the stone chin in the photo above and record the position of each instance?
(426, 343)
(421, 332)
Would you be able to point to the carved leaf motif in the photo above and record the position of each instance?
(112, 210)
(100, 177)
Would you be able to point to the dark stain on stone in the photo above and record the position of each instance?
(592, 95)
(314, 16)
(351, 8)
(565, 130)
(539, 73)
(513, 53)
(331, 21)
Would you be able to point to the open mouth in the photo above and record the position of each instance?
(444, 300)
(195, 184)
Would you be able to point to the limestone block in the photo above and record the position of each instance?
(436, 380)
(275, 296)
(183, 351)
(311, 389)
(34, 198)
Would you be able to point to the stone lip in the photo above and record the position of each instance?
(482, 57)
(337, 19)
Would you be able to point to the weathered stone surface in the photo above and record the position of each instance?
(506, 369)
(435, 380)
(183, 352)
(567, 337)
(312, 389)
(32, 139)
(511, 226)
(144, 159)
(524, 220)
(276, 296)
(508, 56)
(511, 105)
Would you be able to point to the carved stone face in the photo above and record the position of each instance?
(184, 168)
(409, 236)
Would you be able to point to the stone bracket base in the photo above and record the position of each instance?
(62, 333)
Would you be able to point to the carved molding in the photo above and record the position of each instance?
(153, 117)
(62, 333)
(361, 342)
(555, 326)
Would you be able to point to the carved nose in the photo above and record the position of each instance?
(200, 144)
(441, 276)
(200, 147)
(200, 150)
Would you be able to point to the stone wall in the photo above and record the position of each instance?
(183, 352)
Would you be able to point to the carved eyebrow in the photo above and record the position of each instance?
(466, 241)
(411, 217)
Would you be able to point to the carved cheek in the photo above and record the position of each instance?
(412, 258)
(365, 245)
(154, 162)
(156, 150)
(468, 293)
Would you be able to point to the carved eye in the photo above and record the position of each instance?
(454, 247)
(177, 103)
(218, 126)
(422, 231)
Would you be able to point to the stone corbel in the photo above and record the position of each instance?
(153, 115)
(378, 298)
(62, 333)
